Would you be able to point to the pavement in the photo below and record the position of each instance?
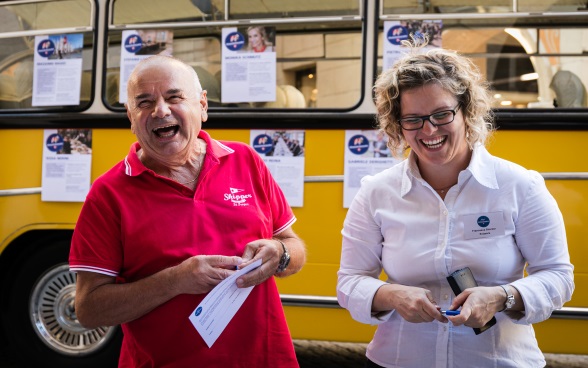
(327, 354)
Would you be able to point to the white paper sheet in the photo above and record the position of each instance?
(214, 313)
(283, 153)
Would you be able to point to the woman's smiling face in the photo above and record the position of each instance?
(435, 145)
(255, 39)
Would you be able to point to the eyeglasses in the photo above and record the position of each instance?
(437, 119)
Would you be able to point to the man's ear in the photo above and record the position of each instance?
(204, 105)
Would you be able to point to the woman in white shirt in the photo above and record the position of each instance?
(450, 205)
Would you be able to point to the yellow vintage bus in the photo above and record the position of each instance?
(328, 53)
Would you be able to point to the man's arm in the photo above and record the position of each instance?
(102, 302)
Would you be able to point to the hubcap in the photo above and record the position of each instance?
(54, 318)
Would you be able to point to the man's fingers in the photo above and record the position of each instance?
(225, 261)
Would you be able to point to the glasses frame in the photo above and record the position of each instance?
(428, 118)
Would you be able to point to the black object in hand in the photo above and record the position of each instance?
(461, 280)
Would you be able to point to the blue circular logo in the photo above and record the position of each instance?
(263, 143)
(358, 144)
(54, 142)
(483, 221)
(133, 43)
(46, 48)
(198, 311)
(397, 34)
(235, 41)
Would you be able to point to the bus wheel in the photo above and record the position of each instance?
(40, 322)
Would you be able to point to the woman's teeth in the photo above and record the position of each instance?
(434, 143)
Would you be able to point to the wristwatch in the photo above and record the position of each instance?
(284, 260)
(510, 300)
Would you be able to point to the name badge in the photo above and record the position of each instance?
(483, 225)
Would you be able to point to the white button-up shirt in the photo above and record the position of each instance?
(497, 219)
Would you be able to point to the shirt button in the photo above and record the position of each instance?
(444, 213)
(445, 297)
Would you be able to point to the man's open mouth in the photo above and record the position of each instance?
(166, 131)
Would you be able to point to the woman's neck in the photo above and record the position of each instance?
(444, 176)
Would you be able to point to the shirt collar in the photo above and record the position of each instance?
(481, 168)
(214, 150)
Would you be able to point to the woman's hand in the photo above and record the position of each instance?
(478, 305)
(414, 304)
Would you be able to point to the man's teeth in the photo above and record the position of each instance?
(434, 143)
(166, 131)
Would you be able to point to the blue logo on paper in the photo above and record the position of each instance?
(358, 144)
(235, 41)
(46, 48)
(397, 34)
(133, 43)
(198, 311)
(54, 142)
(483, 221)
(263, 143)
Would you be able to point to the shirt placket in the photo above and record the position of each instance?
(442, 266)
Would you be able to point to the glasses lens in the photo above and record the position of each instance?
(411, 123)
(442, 117)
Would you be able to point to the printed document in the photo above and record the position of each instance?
(217, 309)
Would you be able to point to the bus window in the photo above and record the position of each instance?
(131, 12)
(483, 6)
(19, 24)
(521, 62)
(331, 49)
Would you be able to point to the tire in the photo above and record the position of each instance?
(38, 316)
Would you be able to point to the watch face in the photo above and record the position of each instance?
(510, 301)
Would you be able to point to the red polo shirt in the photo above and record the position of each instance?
(135, 223)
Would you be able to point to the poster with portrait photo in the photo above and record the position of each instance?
(397, 31)
(366, 153)
(248, 65)
(67, 161)
(139, 45)
(57, 79)
(283, 153)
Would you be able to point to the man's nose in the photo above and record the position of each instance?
(161, 109)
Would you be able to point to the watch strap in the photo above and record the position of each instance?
(284, 259)
(510, 301)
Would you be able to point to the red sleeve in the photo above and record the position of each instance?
(96, 243)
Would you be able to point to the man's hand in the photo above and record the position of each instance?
(200, 274)
(269, 251)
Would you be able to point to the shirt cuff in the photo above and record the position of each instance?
(360, 302)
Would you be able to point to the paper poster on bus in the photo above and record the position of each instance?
(248, 65)
(139, 45)
(366, 153)
(57, 79)
(67, 160)
(397, 31)
(283, 153)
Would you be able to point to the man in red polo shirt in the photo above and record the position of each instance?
(172, 220)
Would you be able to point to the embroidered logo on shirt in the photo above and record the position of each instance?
(237, 199)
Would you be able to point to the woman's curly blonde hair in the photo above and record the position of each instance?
(453, 72)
